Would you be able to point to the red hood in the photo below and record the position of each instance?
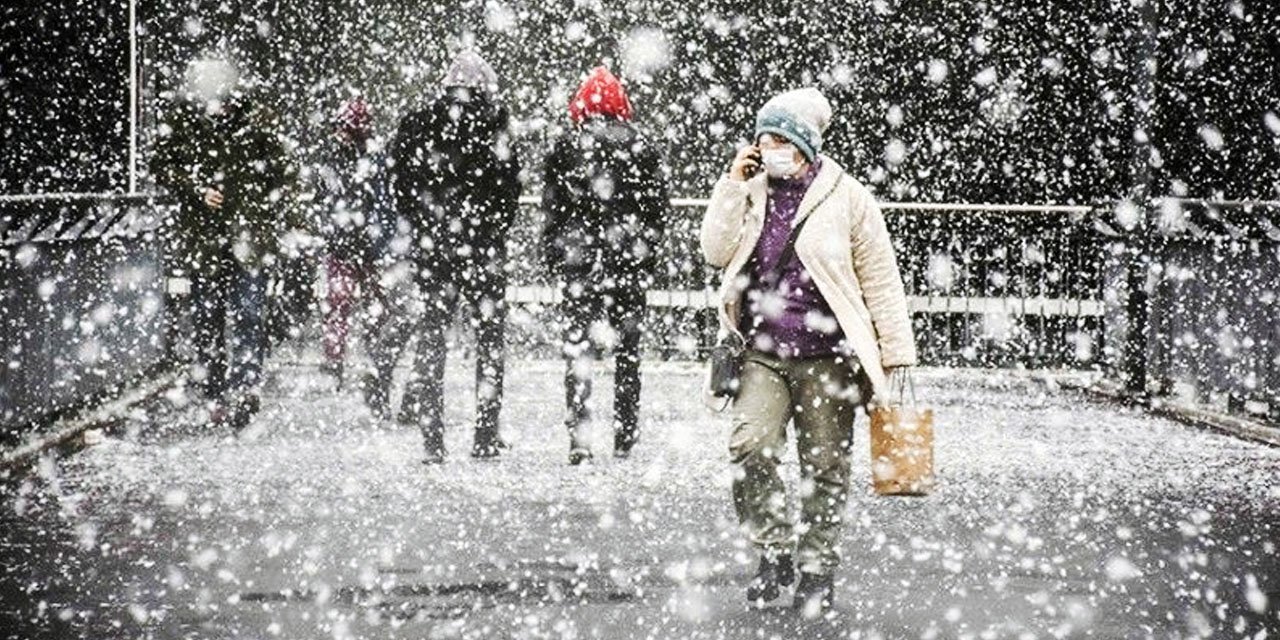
(601, 94)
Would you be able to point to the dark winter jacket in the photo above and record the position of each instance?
(605, 201)
(456, 181)
(353, 203)
(238, 152)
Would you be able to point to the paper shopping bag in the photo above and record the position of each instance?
(902, 450)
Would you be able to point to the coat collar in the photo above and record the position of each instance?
(828, 175)
(822, 184)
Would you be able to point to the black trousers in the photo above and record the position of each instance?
(485, 310)
(623, 310)
(227, 316)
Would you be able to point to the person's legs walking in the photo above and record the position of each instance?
(490, 316)
(579, 311)
(423, 401)
(209, 317)
(626, 316)
(341, 278)
(390, 326)
(248, 343)
(826, 400)
(760, 415)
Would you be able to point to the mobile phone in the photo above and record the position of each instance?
(752, 170)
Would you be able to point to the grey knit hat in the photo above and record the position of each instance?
(801, 116)
(470, 70)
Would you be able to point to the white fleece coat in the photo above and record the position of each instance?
(845, 248)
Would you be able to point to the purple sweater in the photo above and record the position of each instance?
(791, 319)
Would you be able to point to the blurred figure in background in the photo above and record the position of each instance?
(219, 154)
(351, 198)
(456, 181)
(605, 198)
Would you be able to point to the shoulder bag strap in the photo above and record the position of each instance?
(789, 251)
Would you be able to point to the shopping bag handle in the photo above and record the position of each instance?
(903, 384)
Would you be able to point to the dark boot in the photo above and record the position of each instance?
(218, 413)
(433, 437)
(579, 455)
(487, 444)
(243, 410)
(579, 452)
(623, 440)
(334, 369)
(411, 405)
(814, 594)
(408, 414)
(375, 396)
(770, 577)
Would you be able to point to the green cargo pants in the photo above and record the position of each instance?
(822, 395)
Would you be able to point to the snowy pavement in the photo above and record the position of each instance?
(1055, 517)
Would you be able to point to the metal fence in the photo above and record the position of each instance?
(81, 300)
(85, 302)
(1195, 302)
(989, 285)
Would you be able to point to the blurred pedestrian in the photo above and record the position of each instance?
(605, 199)
(812, 287)
(350, 181)
(456, 181)
(219, 154)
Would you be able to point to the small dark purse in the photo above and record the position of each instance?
(726, 366)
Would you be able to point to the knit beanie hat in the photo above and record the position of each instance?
(472, 71)
(212, 78)
(601, 94)
(355, 119)
(801, 116)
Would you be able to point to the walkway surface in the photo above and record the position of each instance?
(1056, 517)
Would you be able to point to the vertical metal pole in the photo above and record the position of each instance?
(1141, 245)
(133, 96)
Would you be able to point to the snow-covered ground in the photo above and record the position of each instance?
(1055, 517)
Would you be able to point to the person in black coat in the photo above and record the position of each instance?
(604, 199)
(456, 181)
(220, 155)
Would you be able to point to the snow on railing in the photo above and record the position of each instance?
(935, 207)
(706, 298)
(63, 217)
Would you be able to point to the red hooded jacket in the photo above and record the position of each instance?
(601, 94)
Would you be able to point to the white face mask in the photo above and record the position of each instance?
(780, 163)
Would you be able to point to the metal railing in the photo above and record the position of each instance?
(1197, 304)
(988, 284)
(65, 217)
(1193, 313)
(1012, 289)
(82, 302)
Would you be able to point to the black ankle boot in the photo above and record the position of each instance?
(243, 411)
(433, 437)
(770, 578)
(814, 594)
(623, 441)
(375, 396)
(579, 452)
(487, 444)
(433, 455)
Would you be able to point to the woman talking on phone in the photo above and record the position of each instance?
(812, 289)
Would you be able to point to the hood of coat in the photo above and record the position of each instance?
(600, 95)
(467, 115)
(470, 70)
